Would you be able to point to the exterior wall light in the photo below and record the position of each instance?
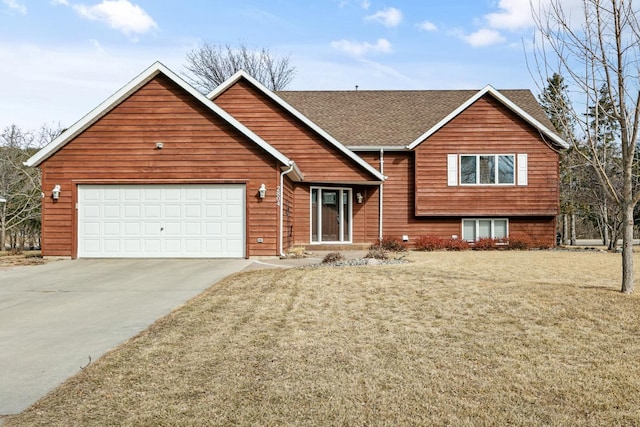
(359, 197)
(55, 193)
(159, 145)
(262, 191)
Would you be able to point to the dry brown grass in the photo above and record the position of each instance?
(8, 259)
(465, 338)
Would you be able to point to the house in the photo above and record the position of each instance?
(160, 170)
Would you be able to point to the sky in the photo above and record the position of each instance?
(59, 59)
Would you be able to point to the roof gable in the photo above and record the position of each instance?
(298, 115)
(127, 90)
(507, 103)
(394, 120)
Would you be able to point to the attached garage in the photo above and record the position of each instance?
(161, 221)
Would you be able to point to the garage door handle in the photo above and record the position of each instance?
(161, 228)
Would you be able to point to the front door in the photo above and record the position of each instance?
(330, 215)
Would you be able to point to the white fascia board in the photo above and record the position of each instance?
(506, 102)
(95, 114)
(127, 90)
(353, 156)
(227, 84)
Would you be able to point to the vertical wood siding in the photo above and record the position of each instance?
(198, 147)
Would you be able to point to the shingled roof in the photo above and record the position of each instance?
(391, 118)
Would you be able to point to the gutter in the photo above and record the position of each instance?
(280, 202)
(380, 202)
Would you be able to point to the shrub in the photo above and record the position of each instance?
(489, 244)
(434, 243)
(333, 257)
(377, 253)
(430, 243)
(457, 245)
(392, 244)
(520, 242)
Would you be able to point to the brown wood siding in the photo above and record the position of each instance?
(289, 218)
(319, 161)
(486, 127)
(198, 147)
(364, 215)
(538, 229)
(302, 213)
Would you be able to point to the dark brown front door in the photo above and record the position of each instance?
(330, 216)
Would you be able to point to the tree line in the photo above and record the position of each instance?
(20, 187)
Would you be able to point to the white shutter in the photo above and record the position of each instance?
(522, 170)
(452, 170)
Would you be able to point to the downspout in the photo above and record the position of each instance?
(380, 204)
(280, 202)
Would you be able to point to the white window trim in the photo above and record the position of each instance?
(345, 239)
(497, 172)
(477, 226)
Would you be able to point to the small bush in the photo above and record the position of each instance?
(489, 244)
(457, 245)
(430, 243)
(15, 251)
(520, 242)
(333, 257)
(434, 243)
(377, 253)
(392, 244)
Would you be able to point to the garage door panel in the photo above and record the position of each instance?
(203, 220)
(132, 211)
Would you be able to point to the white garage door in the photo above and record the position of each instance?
(161, 221)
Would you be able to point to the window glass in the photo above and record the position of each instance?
(506, 170)
(314, 215)
(474, 229)
(487, 169)
(468, 169)
(346, 215)
(469, 230)
(500, 228)
(484, 228)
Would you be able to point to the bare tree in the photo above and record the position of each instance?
(599, 50)
(20, 185)
(211, 64)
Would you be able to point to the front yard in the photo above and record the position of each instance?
(453, 338)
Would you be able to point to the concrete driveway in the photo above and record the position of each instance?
(53, 317)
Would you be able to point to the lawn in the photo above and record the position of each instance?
(452, 338)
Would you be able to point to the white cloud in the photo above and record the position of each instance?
(60, 2)
(428, 26)
(483, 37)
(512, 15)
(78, 78)
(15, 6)
(390, 17)
(119, 14)
(362, 48)
(365, 4)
